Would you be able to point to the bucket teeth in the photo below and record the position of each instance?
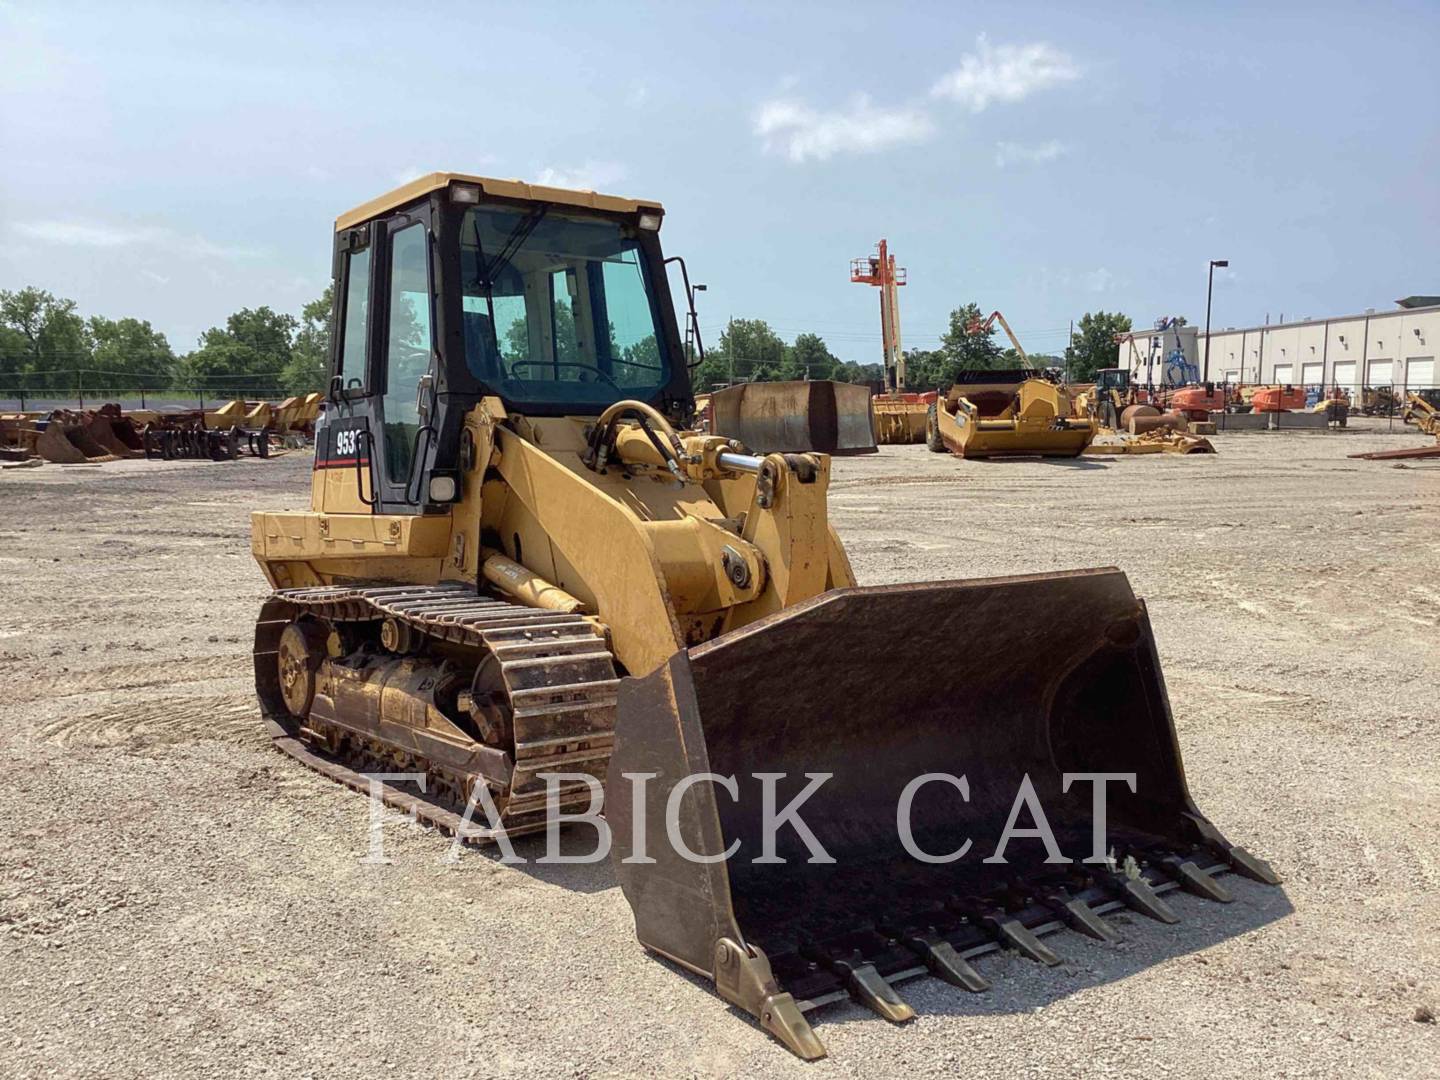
(1013, 935)
(866, 984)
(945, 963)
(782, 1018)
(1137, 895)
(1194, 880)
(1249, 866)
(1078, 915)
(869, 988)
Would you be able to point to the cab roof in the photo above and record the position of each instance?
(508, 189)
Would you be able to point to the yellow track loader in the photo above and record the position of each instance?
(523, 577)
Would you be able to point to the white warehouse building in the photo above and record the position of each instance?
(1378, 348)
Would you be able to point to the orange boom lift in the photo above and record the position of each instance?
(899, 417)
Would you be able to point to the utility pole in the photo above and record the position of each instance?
(1069, 348)
(1209, 293)
(730, 346)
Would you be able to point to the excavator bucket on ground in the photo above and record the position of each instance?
(795, 417)
(66, 440)
(1058, 675)
(115, 432)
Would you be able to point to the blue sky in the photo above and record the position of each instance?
(177, 162)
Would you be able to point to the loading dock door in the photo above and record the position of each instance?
(1380, 373)
(1312, 374)
(1285, 374)
(1420, 373)
(1345, 376)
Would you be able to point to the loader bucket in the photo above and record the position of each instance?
(1003, 681)
(900, 418)
(796, 417)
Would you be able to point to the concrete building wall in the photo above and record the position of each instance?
(1143, 352)
(1386, 348)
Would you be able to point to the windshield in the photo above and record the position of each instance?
(558, 307)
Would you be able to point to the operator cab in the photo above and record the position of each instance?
(453, 288)
(1113, 378)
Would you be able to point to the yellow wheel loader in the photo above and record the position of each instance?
(522, 575)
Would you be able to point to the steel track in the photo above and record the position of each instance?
(556, 669)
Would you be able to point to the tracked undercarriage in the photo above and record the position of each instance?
(440, 680)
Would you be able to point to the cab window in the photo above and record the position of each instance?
(407, 347)
(354, 319)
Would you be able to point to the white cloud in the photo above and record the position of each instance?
(92, 235)
(1098, 280)
(638, 94)
(801, 132)
(589, 176)
(1009, 153)
(404, 176)
(78, 234)
(1004, 73)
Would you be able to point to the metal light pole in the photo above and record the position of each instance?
(1210, 292)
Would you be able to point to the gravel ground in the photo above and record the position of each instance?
(176, 899)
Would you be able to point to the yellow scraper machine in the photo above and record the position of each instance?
(1019, 413)
(523, 574)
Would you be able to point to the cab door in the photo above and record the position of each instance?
(343, 480)
(403, 369)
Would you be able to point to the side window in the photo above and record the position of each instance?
(356, 316)
(632, 324)
(407, 347)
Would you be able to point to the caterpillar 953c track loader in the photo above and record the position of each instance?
(519, 561)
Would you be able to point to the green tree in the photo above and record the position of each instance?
(309, 367)
(1092, 345)
(130, 354)
(45, 342)
(964, 349)
(851, 372)
(810, 358)
(924, 369)
(747, 350)
(247, 356)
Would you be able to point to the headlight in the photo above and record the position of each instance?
(650, 220)
(442, 489)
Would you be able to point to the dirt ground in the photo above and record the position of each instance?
(176, 899)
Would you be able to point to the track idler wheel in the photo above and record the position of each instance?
(302, 647)
(490, 703)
